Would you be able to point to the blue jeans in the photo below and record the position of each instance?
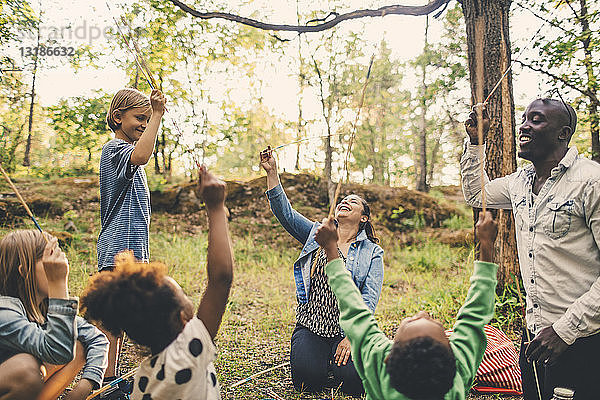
(311, 360)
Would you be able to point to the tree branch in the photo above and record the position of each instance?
(546, 20)
(380, 12)
(586, 92)
(572, 9)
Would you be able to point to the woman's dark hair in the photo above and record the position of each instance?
(136, 299)
(367, 226)
(422, 368)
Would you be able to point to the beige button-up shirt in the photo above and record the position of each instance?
(558, 238)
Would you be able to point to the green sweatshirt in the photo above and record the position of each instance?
(370, 346)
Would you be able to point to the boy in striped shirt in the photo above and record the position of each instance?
(124, 194)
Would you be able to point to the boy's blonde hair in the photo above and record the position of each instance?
(22, 249)
(124, 100)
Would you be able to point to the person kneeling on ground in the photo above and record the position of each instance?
(420, 363)
(43, 343)
(141, 300)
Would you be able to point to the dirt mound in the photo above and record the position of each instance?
(400, 213)
(397, 209)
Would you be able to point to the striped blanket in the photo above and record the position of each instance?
(499, 371)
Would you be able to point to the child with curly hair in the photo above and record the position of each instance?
(420, 363)
(43, 343)
(144, 302)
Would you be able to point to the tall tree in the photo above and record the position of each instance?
(441, 69)
(16, 19)
(421, 152)
(489, 51)
(26, 160)
(379, 137)
(13, 117)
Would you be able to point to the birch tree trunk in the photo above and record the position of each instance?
(422, 145)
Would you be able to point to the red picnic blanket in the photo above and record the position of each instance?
(499, 371)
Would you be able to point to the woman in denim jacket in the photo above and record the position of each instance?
(43, 343)
(319, 348)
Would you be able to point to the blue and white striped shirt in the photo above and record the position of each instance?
(124, 205)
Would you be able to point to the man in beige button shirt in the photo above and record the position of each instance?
(556, 204)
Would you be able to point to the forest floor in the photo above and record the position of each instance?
(428, 262)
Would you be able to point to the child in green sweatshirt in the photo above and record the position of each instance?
(420, 363)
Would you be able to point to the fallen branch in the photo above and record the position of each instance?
(380, 12)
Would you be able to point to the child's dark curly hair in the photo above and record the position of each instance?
(422, 368)
(136, 299)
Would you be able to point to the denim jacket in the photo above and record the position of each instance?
(53, 343)
(364, 260)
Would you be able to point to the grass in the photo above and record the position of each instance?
(260, 314)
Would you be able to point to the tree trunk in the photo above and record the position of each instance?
(26, 156)
(156, 163)
(328, 163)
(489, 51)
(137, 77)
(163, 150)
(326, 111)
(594, 130)
(300, 91)
(422, 146)
(586, 34)
(377, 136)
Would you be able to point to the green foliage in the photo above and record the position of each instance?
(458, 222)
(508, 314)
(16, 17)
(247, 133)
(568, 56)
(427, 256)
(379, 137)
(441, 69)
(80, 125)
(13, 118)
(156, 182)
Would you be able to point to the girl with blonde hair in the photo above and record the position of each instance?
(43, 343)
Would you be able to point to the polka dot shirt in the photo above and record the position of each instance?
(183, 370)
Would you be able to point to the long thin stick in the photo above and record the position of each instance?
(238, 383)
(14, 188)
(299, 141)
(133, 47)
(515, 60)
(112, 384)
(537, 382)
(274, 395)
(360, 106)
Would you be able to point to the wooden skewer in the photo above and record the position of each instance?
(360, 106)
(535, 374)
(274, 395)
(18, 194)
(241, 382)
